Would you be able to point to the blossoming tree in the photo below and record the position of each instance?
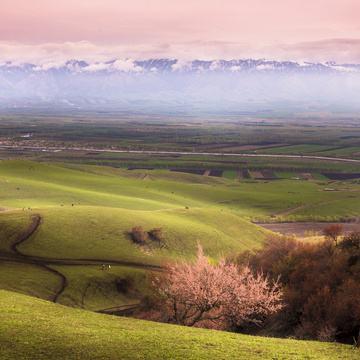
(222, 295)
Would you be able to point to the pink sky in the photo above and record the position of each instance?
(308, 29)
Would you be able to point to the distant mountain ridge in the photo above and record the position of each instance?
(171, 85)
(175, 65)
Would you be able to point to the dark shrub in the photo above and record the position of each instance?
(351, 241)
(123, 286)
(138, 235)
(156, 234)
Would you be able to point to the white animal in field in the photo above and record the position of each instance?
(105, 267)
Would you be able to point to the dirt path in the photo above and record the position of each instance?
(76, 262)
(64, 282)
(45, 263)
(35, 223)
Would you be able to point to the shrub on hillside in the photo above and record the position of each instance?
(156, 234)
(321, 285)
(138, 235)
(333, 232)
(351, 242)
(124, 285)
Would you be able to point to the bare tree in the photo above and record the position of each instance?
(333, 232)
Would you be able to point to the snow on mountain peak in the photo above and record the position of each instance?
(174, 65)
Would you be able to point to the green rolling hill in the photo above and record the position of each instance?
(35, 329)
(86, 213)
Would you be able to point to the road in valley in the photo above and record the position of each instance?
(189, 153)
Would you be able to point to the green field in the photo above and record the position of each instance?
(36, 329)
(334, 136)
(223, 133)
(298, 149)
(77, 184)
(88, 211)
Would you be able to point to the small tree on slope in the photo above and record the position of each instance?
(333, 232)
(221, 296)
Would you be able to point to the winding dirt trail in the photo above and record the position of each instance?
(34, 225)
(17, 256)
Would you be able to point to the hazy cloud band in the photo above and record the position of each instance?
(337, 50)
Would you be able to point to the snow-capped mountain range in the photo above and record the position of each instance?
(174, 65)
(185, 86)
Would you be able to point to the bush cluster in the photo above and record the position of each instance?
(140, 236)
(321, 286)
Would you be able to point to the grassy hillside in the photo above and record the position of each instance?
(38, 185)
(36, 329)
(87, 212)
(101, 232)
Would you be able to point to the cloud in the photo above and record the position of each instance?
(96, 67)
(50, 65)
(126, 65)
(49, 55)
(339, 50)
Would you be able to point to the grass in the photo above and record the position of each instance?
(11, 225)
(92, 288)
(298, 149)
(351, 151)
(27, 184)
(230, 174)
(103, 233)
(36, 329)
(28, 279)
(88, 211)
(315, 149)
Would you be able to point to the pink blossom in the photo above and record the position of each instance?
(222, 295)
